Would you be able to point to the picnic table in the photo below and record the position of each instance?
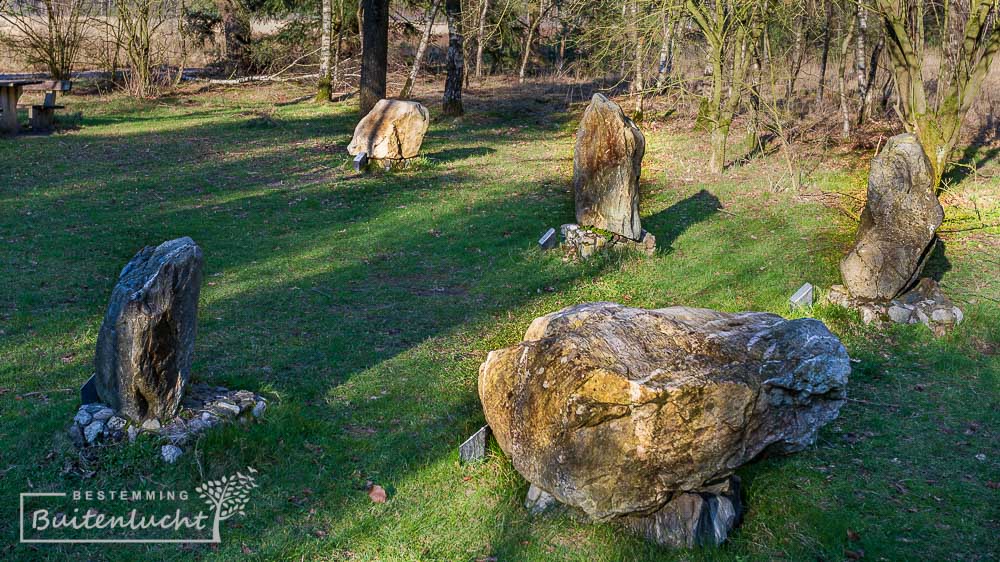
(10, 91)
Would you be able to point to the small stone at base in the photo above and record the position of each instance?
(474, 448)
(802, 298)
(170, 453)
(548, 240)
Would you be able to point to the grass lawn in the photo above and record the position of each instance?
(363, 306)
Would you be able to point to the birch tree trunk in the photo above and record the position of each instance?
(323, 89)
(452, 105)
(481, 38)
(845, 48)
(429, 17)
(532, 27)
(666, 66)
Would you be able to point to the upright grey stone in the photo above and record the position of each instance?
(898, 224)
(607, 162)
(146, 342)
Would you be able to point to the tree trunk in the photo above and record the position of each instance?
(869, 93)
(720, 137)
(452, 105)
(340, 38)
(638, 47)
(826, 51)
(374, 53)
(845, 48)
(236, 33)
(481, 38)
(532, 26)
(418, 61)
(860, 52)
(323, 88)
(797, 53)
(666, 66)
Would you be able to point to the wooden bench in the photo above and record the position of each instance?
(43, 116)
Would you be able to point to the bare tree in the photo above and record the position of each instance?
(481, 38)
(731, 29)
(49, 33)
(937, 120)
(533, 23)
(429, 16)
(323, 89)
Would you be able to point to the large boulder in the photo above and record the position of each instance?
(606, 166)
(146, 342)
(392, 130)
(618, 410)
(898, 224)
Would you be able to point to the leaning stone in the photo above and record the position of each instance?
(901, 215)
(803, 298)
(614, 410)
(146, 342)
(474, 448)
(607, 162)
(170, 453)
(548, 240)
(93, 432)
(88, 392)
(393, 130)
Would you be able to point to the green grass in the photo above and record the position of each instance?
(363, 306)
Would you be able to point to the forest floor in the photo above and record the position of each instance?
(363, 305)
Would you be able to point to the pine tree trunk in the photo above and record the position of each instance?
(452, 105)
(374, 53)
(418, 61)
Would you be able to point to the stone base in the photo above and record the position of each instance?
(581, 243)
(203, 407)
(690, 519)
(924, 304)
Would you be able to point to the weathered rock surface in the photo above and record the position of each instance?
(392, 130)
(616, 410)
(898, 224)
(146, 342)
(690, 519)
(606, 166)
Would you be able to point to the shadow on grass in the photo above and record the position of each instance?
(671, 222)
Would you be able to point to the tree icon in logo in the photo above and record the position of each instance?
(227, 496)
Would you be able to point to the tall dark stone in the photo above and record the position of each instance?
(898, 224)
(607, 162)
(146, 342)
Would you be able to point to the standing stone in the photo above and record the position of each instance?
(897, 228)
(606, 166)
(392, 130)
(616, 410)
(146, 342)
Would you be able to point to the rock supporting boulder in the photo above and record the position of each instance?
(618, 411)
(924, 304)
(606, 166)
(392, 130)
(146, 342)
(898, 224)
(581, 243)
